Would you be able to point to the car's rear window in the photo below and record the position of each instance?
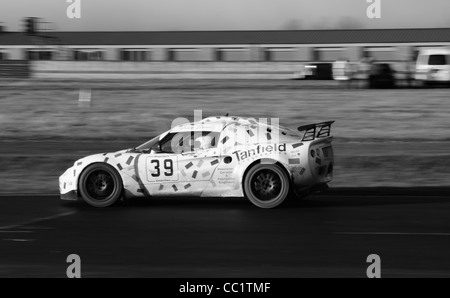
(437, 60)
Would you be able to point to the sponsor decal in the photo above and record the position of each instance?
(226, 176)
(260, 149)
(294, 160)
(130, 159)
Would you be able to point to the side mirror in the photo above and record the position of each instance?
(155, 149)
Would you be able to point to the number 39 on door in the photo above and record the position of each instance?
(162, 169)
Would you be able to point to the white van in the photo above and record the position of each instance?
(433, 66)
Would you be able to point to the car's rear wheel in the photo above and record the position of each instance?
(100, 185)
(266, 185)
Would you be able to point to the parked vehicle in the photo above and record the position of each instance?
(433, 66)
(342, 70)
(315, 71)
(381, 76)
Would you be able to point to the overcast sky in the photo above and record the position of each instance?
(162, 15)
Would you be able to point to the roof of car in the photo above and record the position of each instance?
(218, 123)
(258, 131)
(215, 123)
(436, 51)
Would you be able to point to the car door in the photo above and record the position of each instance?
(178, 167)
(196, 170)
(161, 172)
(197, 166)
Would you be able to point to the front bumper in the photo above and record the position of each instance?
(69, 196)
(68, 185)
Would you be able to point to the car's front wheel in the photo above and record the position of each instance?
(266, 185)
(100, 185)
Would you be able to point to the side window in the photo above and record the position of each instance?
(437, 60)
(183, 142)
(176, 143)
(188, 141)
(165, 145)
(205, 140)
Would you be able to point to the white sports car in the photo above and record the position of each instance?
(214, 157)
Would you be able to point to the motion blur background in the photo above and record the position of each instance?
(280, 66)
(123, 71)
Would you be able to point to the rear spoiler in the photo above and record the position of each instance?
(317, 130)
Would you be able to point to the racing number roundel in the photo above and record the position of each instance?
(162, 169)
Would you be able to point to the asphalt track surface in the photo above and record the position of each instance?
(327, 235)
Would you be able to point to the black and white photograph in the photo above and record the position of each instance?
(224, 146)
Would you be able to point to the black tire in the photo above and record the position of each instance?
(100, 185)
(266, 185)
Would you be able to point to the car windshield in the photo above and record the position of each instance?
(148, 145)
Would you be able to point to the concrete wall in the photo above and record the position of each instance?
(202, 62)
(156, 70)
(353, 53)
(242, 54)
(201, 54)
(333, 55)
(289, 54)
(13, 54)
(246, 53)
(111, 54)
(158, 54)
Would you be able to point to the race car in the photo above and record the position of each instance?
(214, 157)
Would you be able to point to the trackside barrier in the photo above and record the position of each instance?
(14, 69)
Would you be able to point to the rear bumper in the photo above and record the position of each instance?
(321, 161)
(319, 188)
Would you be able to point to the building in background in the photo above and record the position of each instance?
(276, 53)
